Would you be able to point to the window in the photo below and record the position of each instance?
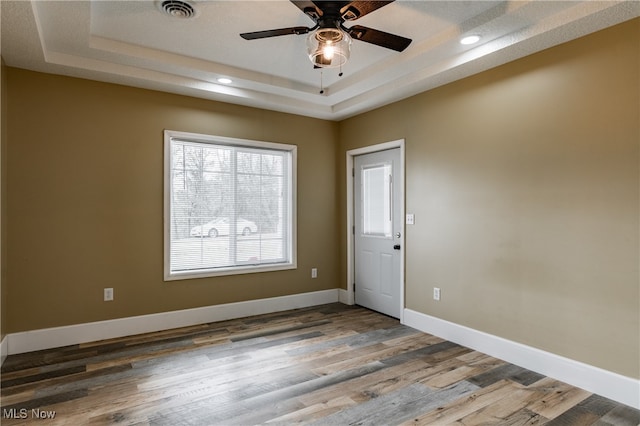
(229, 206)
(376, 200)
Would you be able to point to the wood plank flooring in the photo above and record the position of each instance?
(327, 365)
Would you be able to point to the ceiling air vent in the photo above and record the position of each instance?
(177, 8)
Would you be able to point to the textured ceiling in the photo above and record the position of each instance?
(134, 43)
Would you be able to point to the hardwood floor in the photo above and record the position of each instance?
(332, 364)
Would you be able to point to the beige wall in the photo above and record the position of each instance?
(85, 200)
(525, 185)
(3, 139)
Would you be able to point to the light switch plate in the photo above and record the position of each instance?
(411, 219)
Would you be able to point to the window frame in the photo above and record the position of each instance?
(169, 135)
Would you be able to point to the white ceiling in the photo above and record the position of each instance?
(135, 44)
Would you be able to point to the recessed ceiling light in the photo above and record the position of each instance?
(470, 39)
(225, 80)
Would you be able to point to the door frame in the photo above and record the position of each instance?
(351, 220)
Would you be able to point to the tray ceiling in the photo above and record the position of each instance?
(134, 43)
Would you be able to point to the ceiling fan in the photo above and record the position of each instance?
(329, 41)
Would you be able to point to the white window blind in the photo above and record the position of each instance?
(376, 200)
(229, 206)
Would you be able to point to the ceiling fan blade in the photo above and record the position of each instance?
(274, 33)
(379, 38)
(357, 9)
(308, 8)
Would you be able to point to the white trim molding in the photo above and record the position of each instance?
(48, 338)
(4, 347)
(343, 297)
(625, 390)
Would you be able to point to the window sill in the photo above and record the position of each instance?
(235, 270)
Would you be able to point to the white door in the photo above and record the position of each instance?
(377, 231)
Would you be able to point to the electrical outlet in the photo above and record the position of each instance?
(108, 294)
(436, 293)
(314, 272)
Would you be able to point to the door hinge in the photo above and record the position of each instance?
(354, 287)
(353, 172)
(353, 230)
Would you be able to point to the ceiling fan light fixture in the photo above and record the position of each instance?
(328, 47)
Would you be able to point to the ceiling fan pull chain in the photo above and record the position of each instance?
(321, 87)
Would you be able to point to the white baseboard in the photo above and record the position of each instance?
(34, 340)
(4, 345)
(625, 390)
(343, 297)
